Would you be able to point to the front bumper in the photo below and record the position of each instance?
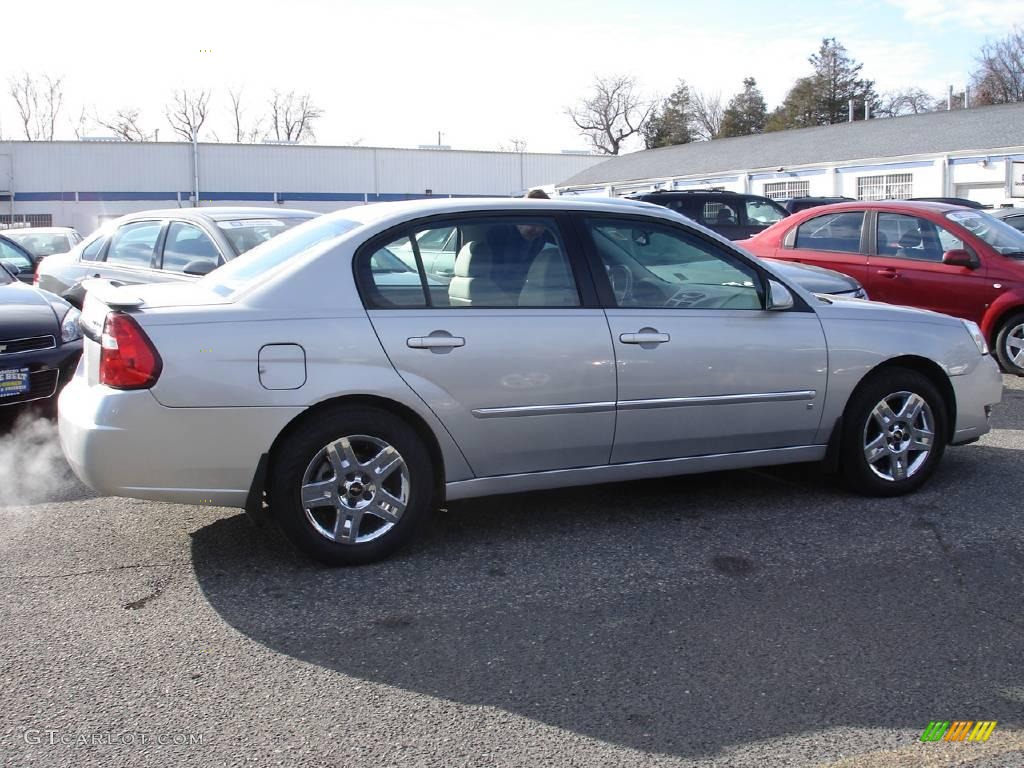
(976, 392)
(49, 370)
(125, 443)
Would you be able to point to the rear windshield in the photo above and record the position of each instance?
(41, 244)
(246, 234)
(273, 253)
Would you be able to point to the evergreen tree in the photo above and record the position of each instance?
(747, 113)
(671, 122)
(823, 97)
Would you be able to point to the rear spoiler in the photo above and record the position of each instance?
(110, 293)
(100, 296)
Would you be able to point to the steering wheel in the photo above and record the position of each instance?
(621, 279)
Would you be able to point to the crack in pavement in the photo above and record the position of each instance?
(116, 568)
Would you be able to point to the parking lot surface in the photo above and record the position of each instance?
(738, 619)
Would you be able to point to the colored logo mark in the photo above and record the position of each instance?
(958, 730)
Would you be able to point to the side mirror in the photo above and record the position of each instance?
(200, 267)
(12, 269)
(779, 297)
(960, 258)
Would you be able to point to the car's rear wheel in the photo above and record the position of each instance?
(352, 486)
(894, 433)
(1010, 344)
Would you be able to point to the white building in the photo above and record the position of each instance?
(959, 153)
(80, 184)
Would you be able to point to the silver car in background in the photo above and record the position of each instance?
(173, 245)
(44, 241)
(573, 343)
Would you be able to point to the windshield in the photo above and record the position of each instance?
(998, 234)
(273, 253)
(41, 244)
(246, 234)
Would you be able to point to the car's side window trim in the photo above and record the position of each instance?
(603, 284)
(578, 264)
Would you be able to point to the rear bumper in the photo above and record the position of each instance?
(49, 370)
(127, 444)
(976, 392)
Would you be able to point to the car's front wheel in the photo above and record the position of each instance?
(351, 486)
(893, 433)
(1010, 345)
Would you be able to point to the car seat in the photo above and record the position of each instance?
(473, 283)
(549, 282)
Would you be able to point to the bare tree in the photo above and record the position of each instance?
(1000, 75)
(292, 116)
(38, 104)
(906, 101)
(187, 113)
(245, 132)
(612, 114)
(708, 112)
(125, 125)
(513, 145)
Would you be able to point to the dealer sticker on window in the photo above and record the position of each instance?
(14, 381)
(250, 223)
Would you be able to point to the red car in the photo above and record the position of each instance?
(946, 258)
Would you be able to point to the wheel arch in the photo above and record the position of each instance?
(927, 368)
(423, 430)
(994, 324)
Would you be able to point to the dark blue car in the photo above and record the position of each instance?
(40, 342)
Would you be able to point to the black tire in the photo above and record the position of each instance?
(297, 451)
(856, 472)
(1002, 353)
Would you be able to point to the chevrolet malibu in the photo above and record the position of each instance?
(324, 380)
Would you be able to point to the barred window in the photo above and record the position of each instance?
(780, 190)
(891, 186)
(26, 220)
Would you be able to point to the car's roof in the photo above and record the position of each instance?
(404, 210)
(1003, 212)
(220, 213)
(38, 230)
(899, 206)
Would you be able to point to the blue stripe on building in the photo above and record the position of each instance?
(268, 197)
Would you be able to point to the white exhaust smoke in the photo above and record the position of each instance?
(32, 466)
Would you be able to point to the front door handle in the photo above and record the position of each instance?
(888, 272)
(645, 336)
(435, 342)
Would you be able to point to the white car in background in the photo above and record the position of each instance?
(44, 241)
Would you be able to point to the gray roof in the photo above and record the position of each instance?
(980, 128)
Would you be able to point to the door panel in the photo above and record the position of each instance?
(777, 360)
(702, 367)
(558, 361)
(907, 269)
(833, 241)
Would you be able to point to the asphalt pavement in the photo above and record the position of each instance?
(763, 618)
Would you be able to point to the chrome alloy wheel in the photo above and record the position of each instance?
(355, 489)
(1013, 344)
(899, 436)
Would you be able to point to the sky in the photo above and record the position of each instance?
(395, 73)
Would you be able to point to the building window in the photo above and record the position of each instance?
(26, 220)
(891, 186)
(782, 190)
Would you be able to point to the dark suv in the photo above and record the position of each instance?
(733, 215)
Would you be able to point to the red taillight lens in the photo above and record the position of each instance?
(128, 359)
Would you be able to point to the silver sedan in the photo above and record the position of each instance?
(344, 390)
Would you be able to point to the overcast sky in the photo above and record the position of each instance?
(392, 73)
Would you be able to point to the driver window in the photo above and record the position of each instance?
(654, 267)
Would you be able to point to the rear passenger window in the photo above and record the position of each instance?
(475, 263)
(133, 244)
(831, 232)
(188, 245)
(388, 282)
(92, 250)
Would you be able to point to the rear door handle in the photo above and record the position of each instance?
(644, 337)
(888, 272)
(435, 342)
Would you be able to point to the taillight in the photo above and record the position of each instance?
(128, 359)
